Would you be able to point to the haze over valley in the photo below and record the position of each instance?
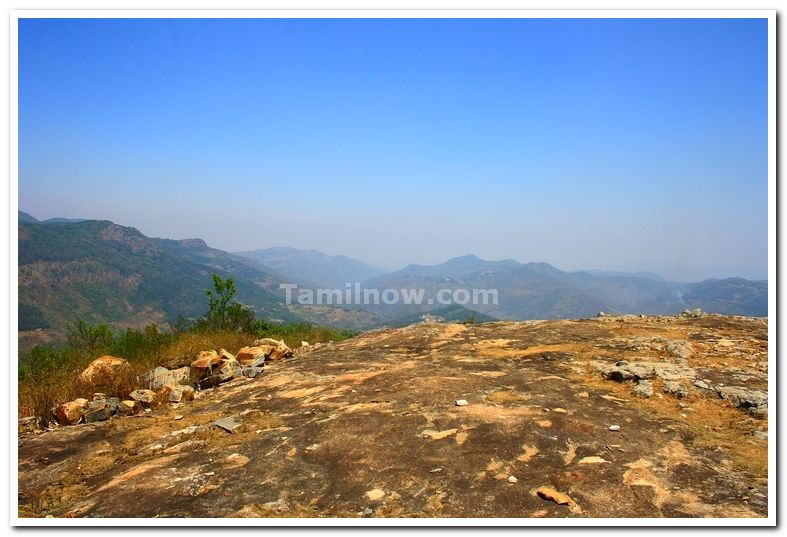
(105, 273)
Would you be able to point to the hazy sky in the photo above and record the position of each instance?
(611, 144)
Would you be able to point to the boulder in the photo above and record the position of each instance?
(675, 388)
(252, 371)
(230, 369)
(69, 413)
(143, 396)
(112, 404)
(97, 411)
(277, 350)
(206, 360)
(180, 394)
(666, 371)
(128, 407)
(746, 398)
(225, 355)
(248, 355)
(181, 376)
(161, 376)
(226, 369)
(203, 367)
(103, 368)
(176, 394)
(643, 388)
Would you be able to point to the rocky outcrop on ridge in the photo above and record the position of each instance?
(607, 417)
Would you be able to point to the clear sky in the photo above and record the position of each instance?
(610, 144)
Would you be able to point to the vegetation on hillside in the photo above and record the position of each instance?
(105, 273)
(49, 374)
(453, 313)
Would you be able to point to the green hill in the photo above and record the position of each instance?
(452, 313)
(103, 272)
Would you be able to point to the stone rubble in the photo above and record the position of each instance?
(677, 380)
(643, 388)
(161, 386)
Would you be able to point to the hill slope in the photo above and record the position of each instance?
(103, 272)
(310, 268)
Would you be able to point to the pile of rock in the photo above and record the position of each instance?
(99, 409)
(674, 376)
(272, 349)
(677, 380)
(162, 386)
(749, 399)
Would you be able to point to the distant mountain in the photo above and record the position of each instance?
(456, 267)
(451, 314)
(615, 274)
(197, 251)
(103, 272)
(59, 220)
(541, 291)
(730, 295)
(29, 219)
(26, 218)
(310, 268)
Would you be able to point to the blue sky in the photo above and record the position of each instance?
(611, 144)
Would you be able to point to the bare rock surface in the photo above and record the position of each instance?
(370, 427)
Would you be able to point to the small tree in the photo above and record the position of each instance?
(219, 300)
(223, 312)
(90, 340)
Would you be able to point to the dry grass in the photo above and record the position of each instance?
(712, 424)
(40, 393)
(38, 396)
(186, 347)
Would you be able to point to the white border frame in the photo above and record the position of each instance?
(15, 15)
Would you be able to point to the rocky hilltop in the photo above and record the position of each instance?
(606, 417)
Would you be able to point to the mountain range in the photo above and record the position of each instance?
(541, 291)
(103, 272)
(310, 268)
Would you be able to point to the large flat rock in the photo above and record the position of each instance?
(370, 427)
